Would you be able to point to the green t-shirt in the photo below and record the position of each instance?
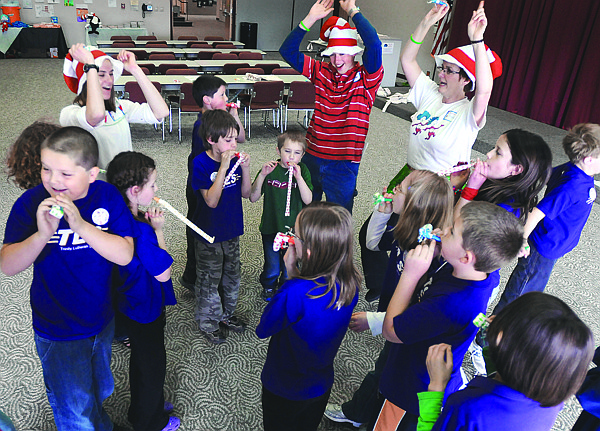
(275, 189)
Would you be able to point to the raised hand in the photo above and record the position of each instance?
(477, 24)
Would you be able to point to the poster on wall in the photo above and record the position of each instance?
(82, 11)
(27, 4)
(112, 3)
(69, 3)
(43, 11)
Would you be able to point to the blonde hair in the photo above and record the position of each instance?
(326, 229)
(428, 200)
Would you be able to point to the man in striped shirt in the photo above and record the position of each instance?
(344, 90)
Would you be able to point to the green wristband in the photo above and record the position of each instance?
(414, 41)
(303, 26)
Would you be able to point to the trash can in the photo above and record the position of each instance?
(249, 34)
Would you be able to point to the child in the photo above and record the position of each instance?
(484, 238)
(23, 160)
(541, 350)
(554, 226)
(272, 180)
(423, 197)
(143, 290)
(514, 174)
(73, 258)
(210, 92)
(91, 74)
(219, 214)
(307, 319)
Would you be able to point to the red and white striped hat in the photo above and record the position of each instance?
(464, 57)
(73, 70)
(340, 37)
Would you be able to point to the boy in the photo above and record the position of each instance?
(210, 92)
(73, 256)
(219, 213)
(484, 238)
(272, 180)
(553, 227)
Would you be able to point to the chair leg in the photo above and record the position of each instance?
(179, 124)
(286, 118)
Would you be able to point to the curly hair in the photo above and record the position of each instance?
(23, 163)
(129, 169)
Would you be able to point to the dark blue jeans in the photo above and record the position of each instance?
(335, 178)
(274, 266)
(78, 380)
(530, 275)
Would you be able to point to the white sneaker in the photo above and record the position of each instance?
(334, 413)
(477, 358)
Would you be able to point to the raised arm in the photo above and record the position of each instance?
(483, 72)
(371, 57)
(153, 97)
(408, 56)
(94, 102)
(290, 48)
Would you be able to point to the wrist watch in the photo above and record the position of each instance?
(87, 67)
(355, 9)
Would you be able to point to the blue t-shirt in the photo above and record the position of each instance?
(197, 146)
(70, 291)
(140, 296)
(567, 204)
(305, 336)
(444, 313)
(226, 221)
(486, 404)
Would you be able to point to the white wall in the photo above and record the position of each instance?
(157, 22)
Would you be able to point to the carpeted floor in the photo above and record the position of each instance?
(217, 387)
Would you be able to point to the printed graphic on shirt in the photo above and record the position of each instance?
(69, 240)
(592, 196)
(280, 184)
(100, 216)
(425, 123)
(229, 182)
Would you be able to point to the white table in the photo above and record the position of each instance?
(212, 65)
(173, 43)
(190, 53)
(105, 33)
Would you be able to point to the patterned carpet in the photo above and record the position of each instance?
(216, 387)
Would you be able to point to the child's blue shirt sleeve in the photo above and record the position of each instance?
(283, 311)
(290, 49)
(371, 57)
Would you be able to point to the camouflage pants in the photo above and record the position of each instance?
(217, 282)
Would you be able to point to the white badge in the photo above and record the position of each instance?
(100, 217)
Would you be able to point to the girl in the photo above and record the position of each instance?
(423, 197)
(307, 318)
(23, 161)
(515, 172)
(541, 351)
(143, 290)
(91, 75)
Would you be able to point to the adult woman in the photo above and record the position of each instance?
(91, 75)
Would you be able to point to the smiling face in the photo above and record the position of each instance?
(61, 174)
(451, 85)
(148, 190)
(107, 80)
(499, 161)
(342, 62)
(291, 153)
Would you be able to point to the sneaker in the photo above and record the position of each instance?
(173, 424)
(477, 359)
(234, 324)
(268, 294)
(334, 413)
(168, 407)
(216, 337)
(189, 286)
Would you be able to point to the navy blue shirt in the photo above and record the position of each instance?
(226, 221)
(567, 204)
(486, 404)
(70, 290)
(197, 146)
(306, 334)
(444, 313)
(141, 297)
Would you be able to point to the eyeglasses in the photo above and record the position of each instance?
(447, 70)
(291, 233)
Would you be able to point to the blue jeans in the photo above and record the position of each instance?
(530, 275)
(274, 265)
(78, 379)
(335, 178)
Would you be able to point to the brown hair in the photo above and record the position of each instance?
(216, 124)
(428, 200)
(23, 160)
(492, 234)
(582, 141)
(540, 348)
(129, 169)
(293, 135)
(79, 144)
(109, 105)
(326, 229)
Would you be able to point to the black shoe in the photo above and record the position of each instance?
(216, 337)
(234, 324)
(268, 294)
(189, 286)
(372, 295)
